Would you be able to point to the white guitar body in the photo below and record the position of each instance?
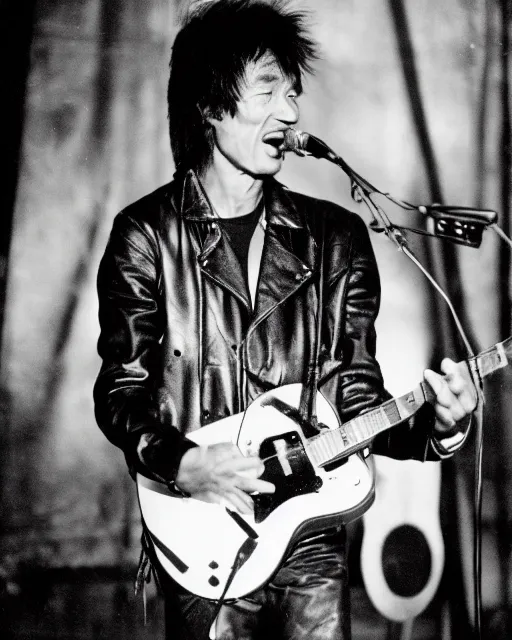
(407, 507)
(203, 538)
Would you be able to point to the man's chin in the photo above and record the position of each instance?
(270, 168)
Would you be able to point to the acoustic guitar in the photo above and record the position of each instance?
(402, 554)
(322, 481)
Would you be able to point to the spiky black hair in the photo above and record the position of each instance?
(208, 62)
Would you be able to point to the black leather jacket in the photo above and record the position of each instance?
(180, 344)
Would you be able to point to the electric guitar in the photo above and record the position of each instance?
(320, 481)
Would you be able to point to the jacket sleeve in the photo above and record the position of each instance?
(131, 321)
(351, 377)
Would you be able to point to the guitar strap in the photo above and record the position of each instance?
(307, 406)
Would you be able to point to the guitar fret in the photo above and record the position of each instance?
(333, 440)
(366, 425)
(325, 446)
(392, 412)
(314, 450)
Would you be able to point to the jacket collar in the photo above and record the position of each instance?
(287, 262)
(281, 210)
(194, 204)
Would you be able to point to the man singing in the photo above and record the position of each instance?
(209, 293)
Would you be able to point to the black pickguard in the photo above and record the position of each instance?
(288, 467)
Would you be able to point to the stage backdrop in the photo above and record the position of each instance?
(95, 139)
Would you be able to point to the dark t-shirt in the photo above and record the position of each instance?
(240, 231)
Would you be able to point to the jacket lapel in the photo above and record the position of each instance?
(215, 255)
(288, 259)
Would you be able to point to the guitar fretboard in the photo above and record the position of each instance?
(359, 432)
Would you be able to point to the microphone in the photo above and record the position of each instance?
(303, 144)
(462, 225)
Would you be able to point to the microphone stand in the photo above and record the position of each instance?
(381, 222)
(361, 194)
(459, 224)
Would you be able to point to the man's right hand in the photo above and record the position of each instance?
(219, 473)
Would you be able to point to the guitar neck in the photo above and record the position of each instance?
(329, 446)
(492, 359)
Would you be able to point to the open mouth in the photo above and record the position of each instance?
(276, 140)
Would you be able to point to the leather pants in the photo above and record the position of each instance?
(307, 599)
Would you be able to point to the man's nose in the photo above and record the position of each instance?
(288, 111)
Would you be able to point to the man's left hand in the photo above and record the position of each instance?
(456, 396)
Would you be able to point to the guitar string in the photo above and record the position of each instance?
(365, 418)
(308, 443)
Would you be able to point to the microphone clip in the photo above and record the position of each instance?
(461, 225)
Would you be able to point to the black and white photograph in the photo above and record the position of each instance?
(256, 320)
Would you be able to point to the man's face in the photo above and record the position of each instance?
(252, 140)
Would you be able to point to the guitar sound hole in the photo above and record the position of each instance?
(406, 561)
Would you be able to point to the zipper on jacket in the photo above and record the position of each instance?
(241, 378)
(243, 388)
